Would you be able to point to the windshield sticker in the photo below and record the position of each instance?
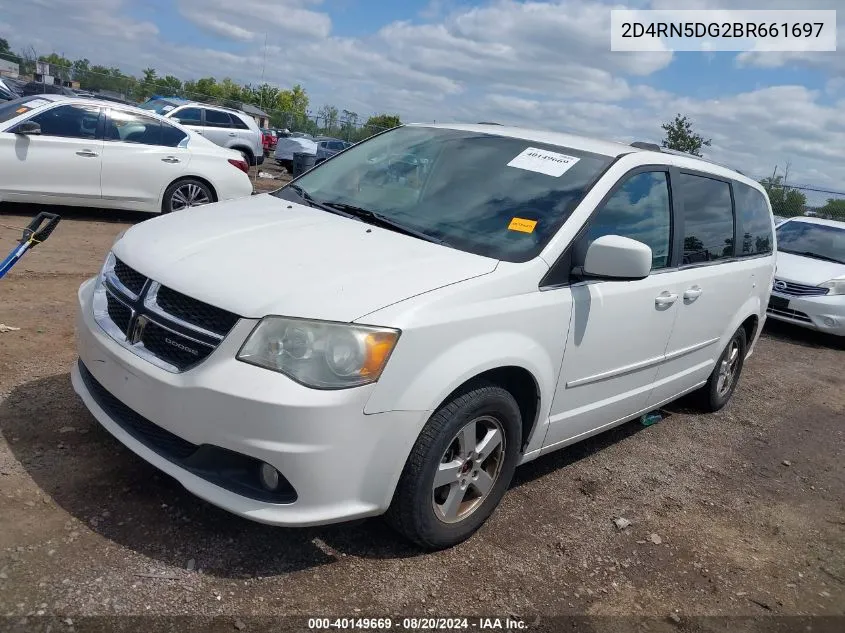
(522, 225)
(543, 161)
(167, 108)
(21, 110)
(36, 103)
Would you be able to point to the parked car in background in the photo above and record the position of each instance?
(10, 89)
(223, 126)
(86, 152)
(779, 219)
(40, 88)
(396, 337)
(809, 286)
(328, 147)
(287, 146)
(269, 138)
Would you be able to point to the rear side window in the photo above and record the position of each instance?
(171, 136)
(708, 219)
(639, 210)
(754, 220)
(216, 118)
(238, 123)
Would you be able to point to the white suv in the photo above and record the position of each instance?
(400, 327)
(224, 126)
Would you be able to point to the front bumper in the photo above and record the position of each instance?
(824, 313)
(341, 463)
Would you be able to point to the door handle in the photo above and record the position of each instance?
(691, 294)
(232, 134)
(87, 153)
(170, 159)
(665, 299)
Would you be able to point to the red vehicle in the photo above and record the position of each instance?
(269, 139)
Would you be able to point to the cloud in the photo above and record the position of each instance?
(543, 65)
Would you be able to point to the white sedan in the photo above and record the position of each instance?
(809, 286)
(87, 152)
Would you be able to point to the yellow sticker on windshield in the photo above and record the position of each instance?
(522, 225)
(21, 110)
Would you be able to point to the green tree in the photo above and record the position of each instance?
(230, 93)
(204, 89)
(680, 136)
(834, 209)
(786, 201)
(294, 103)
(4, 46)
(59, 66)
(168, 86)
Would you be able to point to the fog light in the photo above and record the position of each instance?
(829, 322)
(269, 476)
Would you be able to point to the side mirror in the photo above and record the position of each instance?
(617, 257)
(28, 128)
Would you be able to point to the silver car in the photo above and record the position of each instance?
(226, 127)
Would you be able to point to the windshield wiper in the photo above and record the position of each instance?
(813, 255)
(316, 203)
(371, 217)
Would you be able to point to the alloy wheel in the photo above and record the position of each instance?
(189, 195)
(468, 469)
(727, 369)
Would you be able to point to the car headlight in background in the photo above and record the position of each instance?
(834, 286)
(320, 354)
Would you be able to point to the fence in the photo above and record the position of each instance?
(792, 200)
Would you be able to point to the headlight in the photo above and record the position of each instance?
(835, 286)
(320, 354)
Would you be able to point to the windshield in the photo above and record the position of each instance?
(812, 240)
(489, 195)
(159, 106)
(11, 109)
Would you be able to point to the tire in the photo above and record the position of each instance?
(440, 517)
(171, 202)
(247, 156)
(715, 394)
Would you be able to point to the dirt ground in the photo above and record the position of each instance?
(741, 513)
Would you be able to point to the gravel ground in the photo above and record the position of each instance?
(741, 513)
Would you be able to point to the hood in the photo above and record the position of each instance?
(263, 255)
(806, 270)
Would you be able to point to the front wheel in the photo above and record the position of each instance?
(723, 380)
(186, 193)
(459, 469)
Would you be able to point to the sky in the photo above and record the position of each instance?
(545, 65)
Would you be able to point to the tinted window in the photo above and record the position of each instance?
(129, 127)
(216, 118)
(159, 106)
(755, 220)
(72, 121)
(458, 186)
(11, 109)
(238, 124)
(708, 219)
(171, 136)
(812, 240)
(189, 116)
(640, 210)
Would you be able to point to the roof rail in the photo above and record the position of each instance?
(654, 147)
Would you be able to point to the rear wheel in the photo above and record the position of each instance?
(459, 469)
(725, 376)
(186, 193)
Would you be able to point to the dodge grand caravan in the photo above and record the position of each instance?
(398, 329)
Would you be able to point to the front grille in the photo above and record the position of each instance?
(165, 327)
(119, 313)
(196, 312)
(798, 290)
(152, 436)
(175, 349)
(132, 279)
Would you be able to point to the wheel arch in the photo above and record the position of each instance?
(205, 181)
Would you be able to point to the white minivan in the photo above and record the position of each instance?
(398, 329)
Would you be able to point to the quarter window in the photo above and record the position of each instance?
(69, 121)
(755, 221)
(708, 219)
(639, 210)
(238, 123)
